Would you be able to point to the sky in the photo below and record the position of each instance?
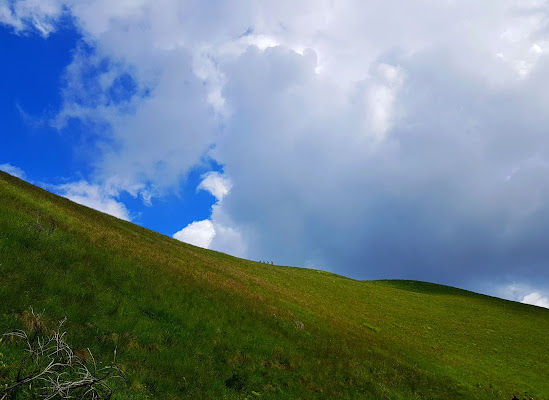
(373, 139)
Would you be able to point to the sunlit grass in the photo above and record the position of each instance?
(193, 323)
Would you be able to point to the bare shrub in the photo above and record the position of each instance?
(51, 369)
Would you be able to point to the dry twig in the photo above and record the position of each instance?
(52, 371)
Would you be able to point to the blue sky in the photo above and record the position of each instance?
(374, 140)
(51, 156)
(31, 93)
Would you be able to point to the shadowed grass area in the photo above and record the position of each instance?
(193, 323)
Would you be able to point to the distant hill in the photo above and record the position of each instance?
(190, 323)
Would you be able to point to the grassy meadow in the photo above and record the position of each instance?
(190, 323)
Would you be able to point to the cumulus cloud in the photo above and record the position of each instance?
(94, 196)
(12, 170)
(394, 140)
(536, 299)
(218, 232)
(427, 199)
(198, 233)
(228, 240)
(215, 183)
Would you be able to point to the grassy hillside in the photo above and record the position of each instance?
(193, 323)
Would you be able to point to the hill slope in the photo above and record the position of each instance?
(194, 323)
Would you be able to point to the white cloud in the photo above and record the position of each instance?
(7, 17)
(228, 240)
(228, 236)
(218, 232)
(214, 234)
(217, 184)
(521, 292)
(198, 233)
(536, 299)
(166, 48)
(39, 15)
(94, 196)
(12, 170)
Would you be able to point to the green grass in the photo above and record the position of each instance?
(197, 324)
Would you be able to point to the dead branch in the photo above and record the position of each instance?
(53, 371)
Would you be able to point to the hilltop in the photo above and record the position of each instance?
(194, 323)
